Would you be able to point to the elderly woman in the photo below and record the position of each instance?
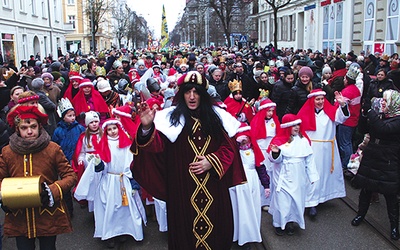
(379, 167)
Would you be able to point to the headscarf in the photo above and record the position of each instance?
(392, 98)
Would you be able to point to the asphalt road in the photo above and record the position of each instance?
(330, 230)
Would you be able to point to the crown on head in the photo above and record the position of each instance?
(235, 85)
(100, 71)
(63, 106)
(263, 93)
(75, 67)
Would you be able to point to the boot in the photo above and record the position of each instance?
(363, 205)
(393, 213)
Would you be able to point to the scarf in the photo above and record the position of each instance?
(23, 147)
(392, 98)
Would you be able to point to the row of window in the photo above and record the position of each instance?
(34, 7)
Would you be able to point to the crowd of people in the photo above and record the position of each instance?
(180, 133)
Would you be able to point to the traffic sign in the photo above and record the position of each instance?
(243, 39)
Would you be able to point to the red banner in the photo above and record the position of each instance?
(326, 2)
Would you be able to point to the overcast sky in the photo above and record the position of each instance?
(151, 10)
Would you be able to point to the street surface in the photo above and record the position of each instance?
(330, 230)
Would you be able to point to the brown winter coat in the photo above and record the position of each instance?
(56, 171)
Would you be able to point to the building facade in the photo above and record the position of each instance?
(30, 27)
(79, 38)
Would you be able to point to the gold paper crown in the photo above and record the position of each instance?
(235, 85)
(102, 55)
(75, 67)
(263, 93)
(100, 71)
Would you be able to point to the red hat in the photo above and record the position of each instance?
(73, 75)
(26, 112)
(282, 137)
(193, 77)
(130, 123)
(85, 82)
(258, 129)
(123, 139)
(307, 112)
(152, 101)
(28, 99)
(125, 111)
(243, 130)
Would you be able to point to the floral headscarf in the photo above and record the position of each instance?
(392, 98)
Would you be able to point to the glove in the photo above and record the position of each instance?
(5, 208)
(99, 167)
(241, 117)
(46, 197)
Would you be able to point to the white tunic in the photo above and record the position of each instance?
(161, 213)
(270, 126)
(323, 142)
(296, 168)
(245, 200)
(111, 218)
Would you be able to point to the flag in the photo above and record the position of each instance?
(164, 29)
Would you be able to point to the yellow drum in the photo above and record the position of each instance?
(21, 192)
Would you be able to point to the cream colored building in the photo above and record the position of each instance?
(29, 27)
(80, 36)
(376, 26)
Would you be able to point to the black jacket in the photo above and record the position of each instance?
(379, 167)
(281, 96)
(298, 97)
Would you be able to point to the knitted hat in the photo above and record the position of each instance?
(326, 70)
(339, 64)
(103, 86)
(90, 117)
(37, 83)
(306, 71)
(48, 75)
(116, 64)
(28, 99)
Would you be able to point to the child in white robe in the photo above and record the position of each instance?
(292, 150)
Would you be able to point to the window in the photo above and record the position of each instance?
(292, 28)
(56, 15)
(6, 3)
(33, 4)
(332, 31)
(271, 30)
(369, 25)
(71, 2)
(44, 12)
(392, 26)
(24, 46)
(22, 5)
(71, 19)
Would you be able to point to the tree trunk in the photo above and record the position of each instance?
(275, 28)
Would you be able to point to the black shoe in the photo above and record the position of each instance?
(110, 243)
(289, 228)
(357, 220)
(313, 212)
(122, 238)
(394, 233)
(279, 231)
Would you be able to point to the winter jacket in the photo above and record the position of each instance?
(281, 96)
(298, 97)
(66, 135)
(379, 167)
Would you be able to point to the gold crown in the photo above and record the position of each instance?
(100, 71)
(101, 55)
(263, 93)
(235, 85)
(75, 67)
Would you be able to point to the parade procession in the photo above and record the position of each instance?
(251, 125)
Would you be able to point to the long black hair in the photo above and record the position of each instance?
(211, 124)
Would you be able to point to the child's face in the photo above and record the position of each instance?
(295, 130)
(69, 116)
(112, 131)
(94, 125)
(269, 113)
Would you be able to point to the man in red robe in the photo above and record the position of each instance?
(186, 155)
